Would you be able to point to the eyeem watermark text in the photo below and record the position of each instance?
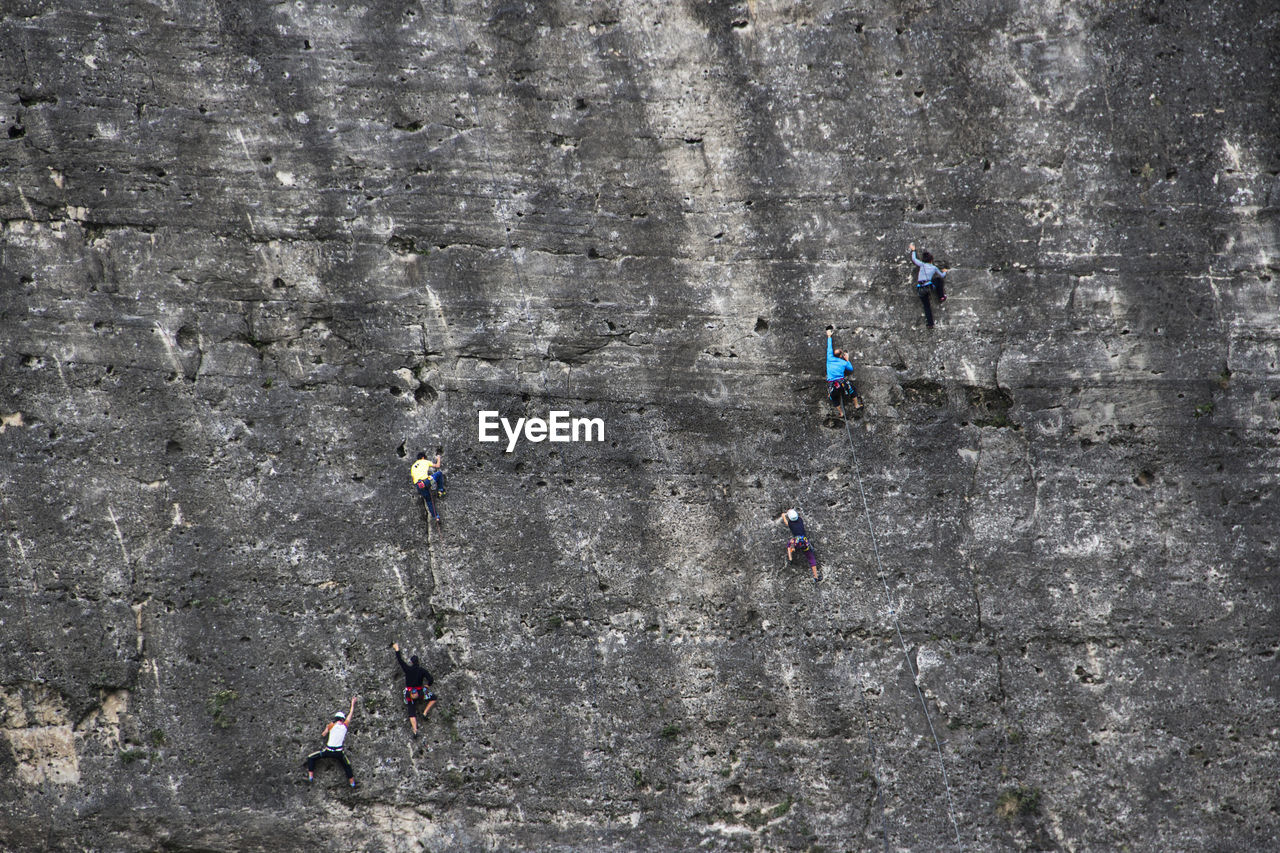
(558, 427)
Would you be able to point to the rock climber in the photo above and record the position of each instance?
(799, 541)
(416, 682)
(437, 471)
(840, 384)
(421, 475)
(335, 735)
(928, 278)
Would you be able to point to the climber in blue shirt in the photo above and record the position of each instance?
(928, 277)
(840, 382)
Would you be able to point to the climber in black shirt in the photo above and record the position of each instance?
(800, 541)
(416, 682)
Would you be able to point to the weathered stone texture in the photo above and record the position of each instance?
(255, 256)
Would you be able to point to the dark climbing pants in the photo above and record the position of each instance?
(923, 290)
(337, 755)
(424, 489)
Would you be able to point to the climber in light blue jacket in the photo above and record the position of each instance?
(928, 278)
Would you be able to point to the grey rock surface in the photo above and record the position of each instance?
(255, 256)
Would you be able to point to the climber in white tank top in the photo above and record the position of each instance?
(335, 735)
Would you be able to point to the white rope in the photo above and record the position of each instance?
(915, 675)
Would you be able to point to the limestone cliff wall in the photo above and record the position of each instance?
(256, 255)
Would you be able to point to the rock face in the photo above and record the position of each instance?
(255, 256)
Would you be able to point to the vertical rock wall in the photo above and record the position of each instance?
(255, 256)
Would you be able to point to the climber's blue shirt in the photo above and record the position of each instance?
(836, 366)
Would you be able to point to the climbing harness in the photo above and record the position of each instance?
(915, 675)
(413, 695)
(836, 387)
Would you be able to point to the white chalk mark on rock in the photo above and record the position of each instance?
(26, 205)
(6, 421)
(119, 536)
(404, 593)
(169, 348)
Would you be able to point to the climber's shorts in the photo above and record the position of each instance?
(414, 695)
(838, 387)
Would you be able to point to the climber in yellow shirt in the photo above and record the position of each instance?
(427, 475)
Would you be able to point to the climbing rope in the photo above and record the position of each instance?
(850, 676)
(526, 298)
(906, 655)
